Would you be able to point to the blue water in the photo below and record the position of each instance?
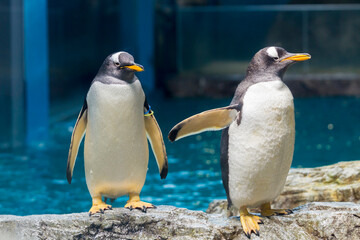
(33, 180)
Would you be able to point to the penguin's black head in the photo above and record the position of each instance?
(274, 60)
(120, 65)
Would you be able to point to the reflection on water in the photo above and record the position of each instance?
(34, 181)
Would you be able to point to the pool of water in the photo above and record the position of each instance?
(33, 180)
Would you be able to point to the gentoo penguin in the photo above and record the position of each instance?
(258, 135)
(117, 120)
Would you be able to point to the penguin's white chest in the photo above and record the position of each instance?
(116, 150)
(261, 148)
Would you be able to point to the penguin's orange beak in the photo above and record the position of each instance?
(135, 67)
(298, 57)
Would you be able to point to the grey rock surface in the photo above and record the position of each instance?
(339, 182)
(311, 221)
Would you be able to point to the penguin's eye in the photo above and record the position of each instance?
(117, 64)
(275, 58)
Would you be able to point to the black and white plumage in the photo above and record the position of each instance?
(116, 149)
(258, 136)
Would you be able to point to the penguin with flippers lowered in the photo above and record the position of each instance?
(258, 137)
(117, 120)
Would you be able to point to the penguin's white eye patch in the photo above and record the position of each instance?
(115, 57)
(271, 51)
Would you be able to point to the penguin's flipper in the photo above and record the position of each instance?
(215, 119)
(155, 137)
(77, 136)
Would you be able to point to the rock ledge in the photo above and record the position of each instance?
(310, 221)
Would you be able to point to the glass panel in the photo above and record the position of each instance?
(222, 40)
(334, 42)
(5, 74)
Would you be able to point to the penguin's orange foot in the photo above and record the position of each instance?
(99, 208)
(275, 212)
(266, 210)
(250, 223)
(143, 206)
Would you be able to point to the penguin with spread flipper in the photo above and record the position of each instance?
(257, 142)
(118, 121)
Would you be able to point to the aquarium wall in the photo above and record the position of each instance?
(12, 98)
(222, 39)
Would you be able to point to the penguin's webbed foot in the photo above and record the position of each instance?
(143, 206)
(250, 223)
(266, 211)
(135, 203)
(99, 206)
(275, 212)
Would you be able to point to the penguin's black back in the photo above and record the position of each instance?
(224, 162)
